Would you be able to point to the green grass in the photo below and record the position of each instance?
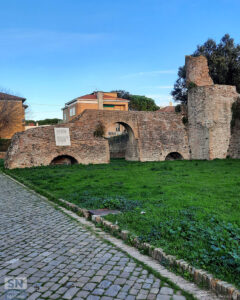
(191, 209)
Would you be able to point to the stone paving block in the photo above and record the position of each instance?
(166, 291)
(34, 296)
(178, 297)
(146, 286)
(141, 296)
(70, 293)
(122, 295)
(151, 296)
(154, 290)
(82, 294)
(47, 294)
(113, 290)
(120, 281)
(130, 297)
(98, 291)
(134, 291)
(62, 290)
(163, 297)
(104, 284)
(89, 286)
(110, 277)
(97, 278)
(93, 297)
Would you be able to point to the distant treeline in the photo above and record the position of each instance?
(43, 122)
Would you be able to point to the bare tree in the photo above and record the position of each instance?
(10, 113)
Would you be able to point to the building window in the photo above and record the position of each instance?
(117, 127)
(72, 111)
(108, 105)
(64, 116)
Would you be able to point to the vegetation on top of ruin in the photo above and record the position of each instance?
(189, 208)
(223, 62)
(99, 130)
(138, 102)
(4, 144)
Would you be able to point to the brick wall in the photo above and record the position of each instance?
(16, 116)
(36, 147)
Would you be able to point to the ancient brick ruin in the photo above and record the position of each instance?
(209, 113)
(212, 131)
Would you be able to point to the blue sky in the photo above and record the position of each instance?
(52, 51)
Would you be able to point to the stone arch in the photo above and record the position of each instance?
(124, 145)
(174, 156)
(63, 160)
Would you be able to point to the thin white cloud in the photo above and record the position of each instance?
(159, 87)
(50, 40)
(150, 73)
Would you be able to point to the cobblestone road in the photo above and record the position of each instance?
(63, 260)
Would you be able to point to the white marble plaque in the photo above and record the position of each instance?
(62, 137)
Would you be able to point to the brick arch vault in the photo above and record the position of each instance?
(125, 144)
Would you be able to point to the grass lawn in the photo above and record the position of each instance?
(191, 209)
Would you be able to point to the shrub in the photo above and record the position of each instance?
(4, 144)
(191, 85)
(178, 108)
(185, 120)
(99, 130)
(120, 203)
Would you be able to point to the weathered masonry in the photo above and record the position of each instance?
(210, 114)
(212, 130)
(152, 136)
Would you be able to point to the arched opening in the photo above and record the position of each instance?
(64, 160)
(122, 142)
(174, 156)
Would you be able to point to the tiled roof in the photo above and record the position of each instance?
(94, 97)
(170, 109)
(4, 96)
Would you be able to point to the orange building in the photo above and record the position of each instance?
(12, 115)
(96, 100)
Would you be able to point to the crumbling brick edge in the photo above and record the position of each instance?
(200, 277)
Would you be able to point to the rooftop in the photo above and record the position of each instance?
(4, 96)
(169, 109)
(93, 96)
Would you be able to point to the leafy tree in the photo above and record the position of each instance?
(44, 122)
(137, 102)
(48, 121)
(223, 62)
(122, 94)
(142, 103)
(27, 122)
